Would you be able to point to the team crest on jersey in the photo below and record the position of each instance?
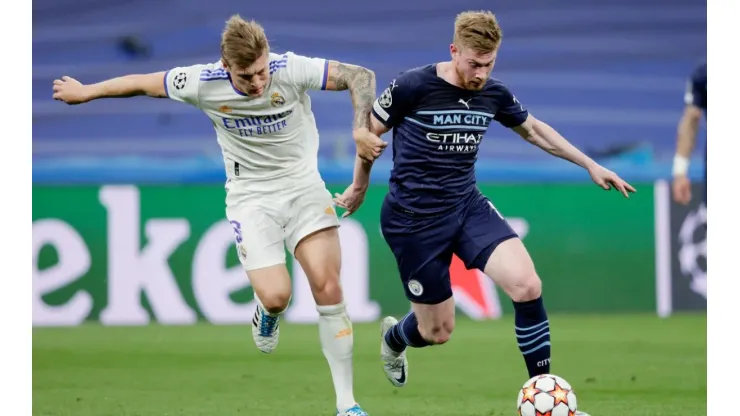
(415, 287)
(180, 80)
(277, 99)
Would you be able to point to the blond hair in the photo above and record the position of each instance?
(243, 42)
(478, 31)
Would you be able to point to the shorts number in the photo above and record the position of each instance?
(237, 226)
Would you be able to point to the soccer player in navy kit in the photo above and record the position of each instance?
(433, 210)
(695, 100)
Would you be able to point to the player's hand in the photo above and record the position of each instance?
(607, 180)
(681, 190)
(369, 146)
(70, 91)
(351, 199)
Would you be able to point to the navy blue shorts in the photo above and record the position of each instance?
(423, 246)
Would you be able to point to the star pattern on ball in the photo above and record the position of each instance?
(560, 395)
(529, 394)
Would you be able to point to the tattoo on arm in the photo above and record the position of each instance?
(361, 84)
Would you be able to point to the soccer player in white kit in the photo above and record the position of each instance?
(275, 196)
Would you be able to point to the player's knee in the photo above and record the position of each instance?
(438, 333)
(526, 288)
(275, 302)
(328, 292)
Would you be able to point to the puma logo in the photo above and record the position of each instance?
(465, 103)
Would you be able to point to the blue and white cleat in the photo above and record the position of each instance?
(395, 365)
(355, 410)
(265, 329)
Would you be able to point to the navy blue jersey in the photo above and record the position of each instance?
(696, 88)
(696, 95)
(437, 128)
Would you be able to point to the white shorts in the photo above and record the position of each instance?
(265, 224)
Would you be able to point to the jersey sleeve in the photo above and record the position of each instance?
(511, 113)
(396, 101)
(307, 73)
(181, 83)
(696, 93)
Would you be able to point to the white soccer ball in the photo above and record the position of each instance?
(546, 395)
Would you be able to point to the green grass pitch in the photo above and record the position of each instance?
(630, 365)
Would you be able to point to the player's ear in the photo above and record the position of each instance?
(225, 64)
(453, 50)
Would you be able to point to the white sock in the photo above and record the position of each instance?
(337, 340)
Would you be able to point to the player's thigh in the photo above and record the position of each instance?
(313, 238)
(259, 245)
(436, 322)
(423, 252)
(319, 254)
(511, 268)
(483, 229)
(488, 243)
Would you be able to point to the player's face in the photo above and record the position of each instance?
(473, 68)
(253, 79)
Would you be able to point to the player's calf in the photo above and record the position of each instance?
(319, 254)
(426, 325)
(512, 269)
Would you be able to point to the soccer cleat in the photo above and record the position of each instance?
(265, 330)
(355, 410)
(395, 365)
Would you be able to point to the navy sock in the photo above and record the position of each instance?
(533, 335)
(405, 334)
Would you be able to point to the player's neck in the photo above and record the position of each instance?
(446, 71)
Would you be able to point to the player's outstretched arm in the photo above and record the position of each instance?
(360, 82)
(688, 127)
(694, 99)
(548, 139)
(354, 195)
(361, 175)
(71, 91)
(542, 135)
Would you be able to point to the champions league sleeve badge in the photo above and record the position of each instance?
(180, 80)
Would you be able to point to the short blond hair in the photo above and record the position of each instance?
(477, 30)
(243, 42)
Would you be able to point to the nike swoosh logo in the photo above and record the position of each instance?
(402, 379)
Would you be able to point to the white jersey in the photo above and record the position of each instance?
(271, 141)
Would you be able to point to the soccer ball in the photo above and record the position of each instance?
(546, 395)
